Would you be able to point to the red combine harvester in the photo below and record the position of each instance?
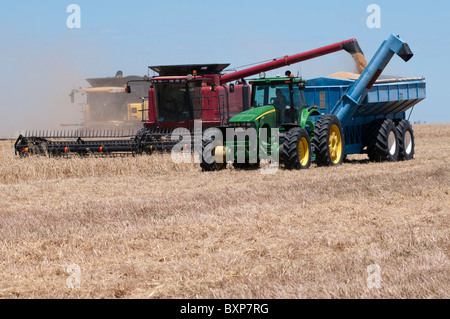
(178, 96)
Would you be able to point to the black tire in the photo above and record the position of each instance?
(208, 163)
(405, 140)
(329, 141)
(247, 166)
(382, 141)
(143, 138)
(296, 150)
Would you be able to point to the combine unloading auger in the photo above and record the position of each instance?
(202, 95)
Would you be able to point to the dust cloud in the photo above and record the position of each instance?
(35, 84)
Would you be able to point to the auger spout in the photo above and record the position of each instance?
(358, 90)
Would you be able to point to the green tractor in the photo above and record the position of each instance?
(277, 103)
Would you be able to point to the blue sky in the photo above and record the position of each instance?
(42, 60)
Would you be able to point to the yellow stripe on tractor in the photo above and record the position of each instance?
(272, 111)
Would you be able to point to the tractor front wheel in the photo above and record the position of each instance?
(296, 151)
(213, 157)
(329, 141)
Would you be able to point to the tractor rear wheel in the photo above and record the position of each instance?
(296, 151)
(329, 141)
(405, 140)
(210, 159)
(382, 141)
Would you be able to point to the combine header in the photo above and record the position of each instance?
(178, 96)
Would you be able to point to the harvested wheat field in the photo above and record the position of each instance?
(145, 227)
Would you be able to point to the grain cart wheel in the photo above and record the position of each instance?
(296, 151)
(405, 140)
(210, 161)
(382, 141)
(329, 141)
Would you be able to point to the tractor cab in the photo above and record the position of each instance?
(285, 94)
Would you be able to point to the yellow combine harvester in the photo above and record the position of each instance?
(108, 106)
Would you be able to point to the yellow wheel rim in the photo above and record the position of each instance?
(335, 144)
(220, 155)
(303, 151)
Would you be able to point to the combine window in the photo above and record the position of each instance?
(105, 106)
(174, 101)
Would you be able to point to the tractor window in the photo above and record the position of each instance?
(260, 93)
(299, 99)
(278, 95)
(267, 94)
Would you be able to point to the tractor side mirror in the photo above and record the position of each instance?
(231, 88)
(128, 89)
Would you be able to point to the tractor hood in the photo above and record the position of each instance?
(253, 114)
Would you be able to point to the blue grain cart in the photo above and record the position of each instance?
(370, 113)
(388, 99)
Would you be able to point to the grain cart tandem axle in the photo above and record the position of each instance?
(178, 96)
(348, 117)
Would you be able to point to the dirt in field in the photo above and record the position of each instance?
(145, 227)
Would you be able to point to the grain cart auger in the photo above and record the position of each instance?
(178, 97)
(322, 119)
